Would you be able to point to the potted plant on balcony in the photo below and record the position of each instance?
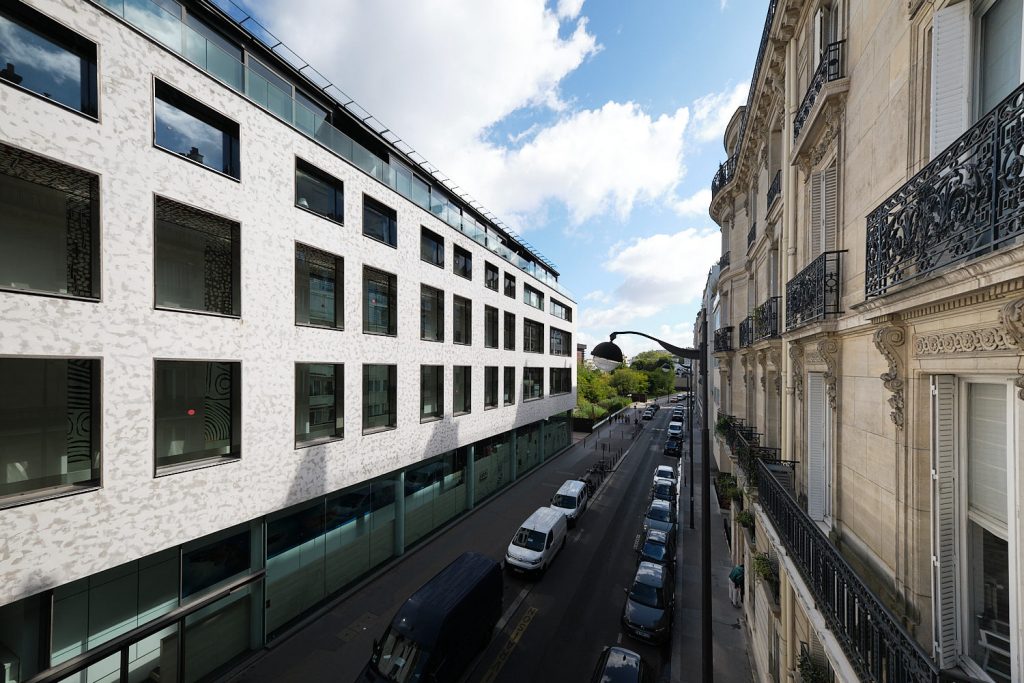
(811, 671)
(725, 486)
(745, 519)
(767, 569)
(722, 426)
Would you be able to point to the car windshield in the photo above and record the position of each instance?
(666, 472)
(659, 513)
(655, 551)
(399, 658)
(645, 594)
(560, 501)
(529, 539)
(663, 491)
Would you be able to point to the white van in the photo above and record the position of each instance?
(675, 428)
(534, 545)
(570, 500)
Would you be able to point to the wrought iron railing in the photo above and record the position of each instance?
(723, 339)
(746, 332)
(965, 203)
(723, 262)
(774, 190)
(830, 68)
(751, 234)
(766, 319)
(724, 175)
(814, 293)
(872, 637)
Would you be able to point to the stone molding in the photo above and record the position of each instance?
(1012, 317)
(889, 341)
(828, 349)
(796, 355)
(964, 341)
(762, 360)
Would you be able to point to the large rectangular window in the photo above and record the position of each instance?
(533, 297)
(510, 331)
(431, 392)
(508, 388)
(197, 260)
(533, 383)
(490, 327)
(198, 412)
(462, 315)
(49, 425)
(510, 286)
(380, 306)
(380, 222)
(431, 314)
(380, 389)
(463, 263)
(462, 380)
(319, 296)
(491, 276)
(190, 129)
(491, 387)
(560, 310)
(319, 402)
(319, 192)
(560, 343)
(431, 247)
(49, 227)
(533, 336)
(561, 380)
(45, 58)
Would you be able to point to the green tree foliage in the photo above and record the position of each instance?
(592, 385)
(628, 381)
(660, 382)
(648, 361)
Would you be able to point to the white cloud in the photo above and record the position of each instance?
(669, 268)
(680, 334)
(711, 113)
(569, 9)
(597, 295)
(695, 205)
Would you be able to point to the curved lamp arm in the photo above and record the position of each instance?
(692, 354)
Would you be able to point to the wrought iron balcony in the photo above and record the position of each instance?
(774, 190)
(814, 293)
(766, 319)
(747, 332)
(724, 175)
(751, 235)
(723, 339)
(723, 262)
(831, 68)
(963, 204)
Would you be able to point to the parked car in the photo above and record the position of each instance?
(619, 665)
(648, 415)
(674, 447)
(658, 547)
(675, 428)
(439, 630)
(664, 472)
(570, 500)
(678, 414)
(664, 489)
(654, 406)
(537, 541)
(660, 515)
(647, 614)
(674, 398)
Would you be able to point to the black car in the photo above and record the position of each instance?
(619, 665)
(674, 447)
(647, 614)
(658, 547)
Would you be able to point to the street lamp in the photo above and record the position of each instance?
(610, 352)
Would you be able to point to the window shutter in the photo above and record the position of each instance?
(819, 21)
(944, 523)
(816, 446)
(950, 63)
(816, 213)
(830, 208)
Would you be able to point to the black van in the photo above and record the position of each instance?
(441, 628)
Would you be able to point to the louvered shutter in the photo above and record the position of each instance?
(816, 446)
(944, 519)
(950, 67)
(830, 207)
(819, 22)
(816, 214)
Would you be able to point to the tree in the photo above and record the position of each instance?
(592, 385)
(651, 360)
(661, 382)
(628, 381)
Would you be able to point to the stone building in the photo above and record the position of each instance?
(869, 336)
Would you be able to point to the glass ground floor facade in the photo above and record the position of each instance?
(192, 612)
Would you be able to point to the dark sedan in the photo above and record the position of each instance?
(660, 515)
(658, 547)
(619, 665)
(674, 447)
(647, 614)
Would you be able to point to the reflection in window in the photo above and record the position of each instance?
(380, 222)
(508, 390)
(462, 320)
(431, 392)
(379, 393)
(197, 412)
(319, 405)
(185, 126)
(431, 314)
(380, 307)
(318, 281)
(462, 376)
(510, 331)
(510, 285)
(431, 248)
(561, 380)
(533, 383)
(560, 342)
(319, 192)
(490, 387)
(532, 297)
(533, 337)
(491, 276)
(490, 327)
(463, 263)
(211, 563)
(268, 89)
(560, 310)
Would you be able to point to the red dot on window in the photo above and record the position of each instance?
(191, 412)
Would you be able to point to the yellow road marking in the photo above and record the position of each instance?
(510, 645)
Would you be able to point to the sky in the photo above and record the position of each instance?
(591, 127)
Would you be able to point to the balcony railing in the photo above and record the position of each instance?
(723, 339)
(726, 171)
(963, 204)
(871, 636)
(723, 262)
(814, 293)
(751, 235)
(830, 69)
(747, 332)
(766, 319)
(774, 190)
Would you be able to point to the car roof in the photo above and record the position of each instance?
(650, 573)
(657, 535)
(662, 468)
(571, 487)
(659, 504)
(620, 666)
(543, 518)
(663, 481)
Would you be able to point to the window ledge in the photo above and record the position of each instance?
(489, 346)
(169, 470)
(299, 445)
(380, 241)
(465, 277)
(54, 295)
(434, 418)
(434, 341)
(51, 493)
(510, 403)
(314, 326)
(528, 400)
(381, 334)
(491, 407)
(466, 343)
(182, 157)
(320, 215)
(464, 412)
(193, 311)
(379, 430)
(49, 100)
(432, 263)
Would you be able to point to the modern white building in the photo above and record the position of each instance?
(251, 347)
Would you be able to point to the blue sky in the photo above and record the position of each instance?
(592, 127)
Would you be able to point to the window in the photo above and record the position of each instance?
(319, 402)
(380, 306)
(510, 286)
(823, 211)
(533, 336)
(50, 226)
(490, 327)
(561, 343)
(463, 263)
(198, 413)
(491, 387)
(47, 59)
(462, 321)
(561, 380)
(319, 296)
(49, 425)
(319, 192)
(431, 247)
(560, 310)
(193, 130)
(819, 449)
(197, 257)
(380, 384)
(533, 383)
(532, 297)
(462, 379)
(380, 222)
(509, 386)
(431, 392)
(431, 314)
(491, 276)
(510, 331)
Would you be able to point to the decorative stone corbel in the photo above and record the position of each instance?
(828, 349)
(889, 341)
(775, 357)
(726, 370)
(1012, 318)
(762, 360)
(796, 356)
(764, 156)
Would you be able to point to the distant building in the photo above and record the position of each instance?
(581, 351)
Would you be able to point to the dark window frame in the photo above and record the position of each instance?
(490, 387)
(336, 185)
(509, 332)
(392, 330)
(527, 291)
(439, 323)
(467, 306)
(564, 376)
(491, 276)
(533, 372)
(510, 285)
(566, 313)
(467, 389)
(339, 289)
(392, 398)
(231, 154)
(490, 326)
(527, 326)
(438, 379)
(339, 406)
(508, 395)
(562, 334)
(386, 212)
(437, 243)
(465, 268)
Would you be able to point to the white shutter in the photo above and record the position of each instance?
(944, 520)
(816, 213)
(830, 208)
(819, 21)
(950, 66)
(816, 446)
